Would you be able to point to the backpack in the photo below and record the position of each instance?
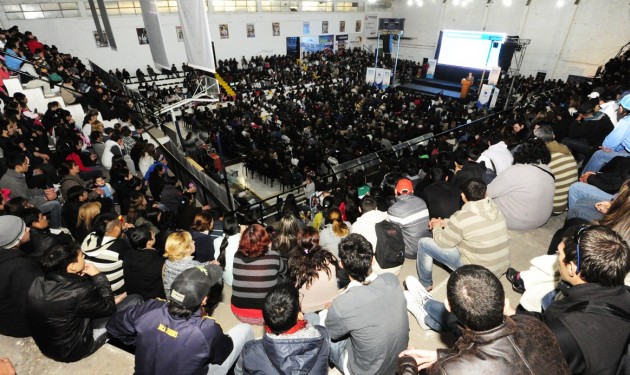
(390, 246)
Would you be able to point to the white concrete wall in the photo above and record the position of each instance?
(74, 35)
(568, 39)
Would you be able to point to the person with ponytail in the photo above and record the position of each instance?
(334, 231)
(226, 246)
(313, 270)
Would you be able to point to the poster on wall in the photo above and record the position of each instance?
(357, 27)
(371, 25)
(342, 26)
(180, 33)
(100, 43)
(143, 38)
(306, 28)
(224, 31)
(251, 31)
(324, 27)
(275, 28)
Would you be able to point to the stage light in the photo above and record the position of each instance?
(419, 3)
(456, 2)
(507, 3)
(560, 3)
(410, 2)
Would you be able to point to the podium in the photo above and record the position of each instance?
(465, 88)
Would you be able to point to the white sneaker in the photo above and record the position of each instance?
(416, 310)
(418, 292)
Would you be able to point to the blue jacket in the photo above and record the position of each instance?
(165, 345)
(11, 60)
(619, 139)
(287, 356)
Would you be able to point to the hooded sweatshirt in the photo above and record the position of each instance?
(479, 232)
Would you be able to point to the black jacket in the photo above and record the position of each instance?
(600, 338)
(143, 273)
(43, 239)
(60, 309)
(204, 246)
(17, 273)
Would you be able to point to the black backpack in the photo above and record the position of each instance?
(390, 246)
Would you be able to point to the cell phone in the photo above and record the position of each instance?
(121, 218)
(190, 185)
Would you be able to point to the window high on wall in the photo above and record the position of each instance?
(347, 6)
(43, 10)
(117, 8)
(233, 5)
(317, 6)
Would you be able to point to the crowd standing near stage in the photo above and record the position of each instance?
(99, 241)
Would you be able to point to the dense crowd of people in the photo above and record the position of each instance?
(99, 241)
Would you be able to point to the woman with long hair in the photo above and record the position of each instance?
(287, 235)
(137, 207)
(313, 270)
(200, 229)
(226, 246)
(334, 231)
(87, 213)
(257, 269)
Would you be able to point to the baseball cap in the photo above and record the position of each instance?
(404, 186)
(625, 101)
(193, 284)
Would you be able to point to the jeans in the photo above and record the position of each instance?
(53, 208)
(98, 325)
(240, 334)
(580, 190)
(337, 348)
(428, 250)
(439, 319)
(600, 158)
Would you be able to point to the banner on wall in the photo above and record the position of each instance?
(293, 46)
(431, 69)
(342, 41)
(197, 40)
(370, 26)
(493, 77)
(317, 43)
(387, 76)
(370, 74)
(153, 33)
(484, 96)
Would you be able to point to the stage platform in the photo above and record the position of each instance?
(435, 86)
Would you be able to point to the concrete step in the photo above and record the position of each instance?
(27, 359)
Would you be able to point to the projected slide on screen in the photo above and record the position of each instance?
(469, 49)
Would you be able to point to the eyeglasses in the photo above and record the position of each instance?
(576, 239)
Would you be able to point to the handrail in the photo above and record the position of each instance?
(386, 152)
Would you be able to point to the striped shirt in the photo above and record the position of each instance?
(106, 254)
(564, 169)
(479, 232)
(254, 277)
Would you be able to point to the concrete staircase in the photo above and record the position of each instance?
(228, 89)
